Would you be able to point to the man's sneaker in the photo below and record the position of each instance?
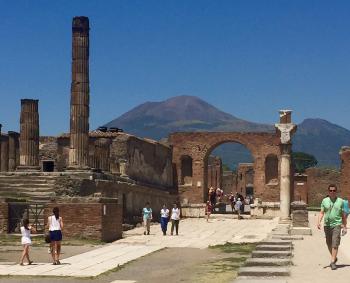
(333, 266)
(144, 233)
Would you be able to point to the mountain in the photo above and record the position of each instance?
(181, 114)
(189, 113)
(321, 139)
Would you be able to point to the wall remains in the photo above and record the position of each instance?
(3, 217)
(318, 180)
(98, 219)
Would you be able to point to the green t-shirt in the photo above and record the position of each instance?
(333, 211)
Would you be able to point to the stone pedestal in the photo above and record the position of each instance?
(79, 114)
(300, 219)
(29, 136)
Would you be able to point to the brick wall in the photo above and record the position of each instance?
(93, 220)
(318, 180)
(3, 217)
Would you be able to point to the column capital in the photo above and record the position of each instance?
(286, 130)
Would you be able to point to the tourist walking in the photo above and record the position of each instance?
(238, 207)
(164, 218)
(26, 241)
(147, 217)
(208, 210)
(212, 196)
(175, 219)
(332, 210)
(55, 224)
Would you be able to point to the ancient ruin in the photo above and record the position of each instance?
(112, 174)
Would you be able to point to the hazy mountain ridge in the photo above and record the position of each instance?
(189, 113)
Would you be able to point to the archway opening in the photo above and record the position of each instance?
(271, 169)
(186, 170)
(229, 171)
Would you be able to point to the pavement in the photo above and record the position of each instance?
(193, 233)
(311, 258)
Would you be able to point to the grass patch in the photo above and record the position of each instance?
(245, 248)
(224, 269)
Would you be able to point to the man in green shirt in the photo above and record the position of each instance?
(332, 209)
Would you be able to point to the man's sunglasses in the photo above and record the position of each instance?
(332, 191)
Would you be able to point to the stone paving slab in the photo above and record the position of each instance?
(243, 279)
(263, 271)
(194, 233)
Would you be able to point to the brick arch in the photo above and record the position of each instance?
(198, 145)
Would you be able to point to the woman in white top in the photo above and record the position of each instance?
(55, 225)
(164, 218)
(26, 241)
(175, 219)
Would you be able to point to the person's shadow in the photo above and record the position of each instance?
(338, 266)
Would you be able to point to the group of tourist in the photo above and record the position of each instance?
(54, 226)
(165, 215)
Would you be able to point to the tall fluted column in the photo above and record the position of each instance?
(29, 135)
(286, 129)
(13, 150)
(4, 153)
(79, 111)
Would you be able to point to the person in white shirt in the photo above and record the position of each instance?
(175, 219)
(26, 241)
(55, 225)
(164, 218)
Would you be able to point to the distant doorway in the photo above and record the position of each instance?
(48, 165)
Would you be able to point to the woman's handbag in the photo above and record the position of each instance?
(47, 238)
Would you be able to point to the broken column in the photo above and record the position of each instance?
(4, 153)
(79, 112)
(13, 150)
(286, 129)
(29, 135)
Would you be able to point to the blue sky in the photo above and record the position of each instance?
(248, 58)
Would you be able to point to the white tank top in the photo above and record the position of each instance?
(25, 236)
(54, 223)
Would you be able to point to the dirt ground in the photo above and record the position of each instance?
(173, 265)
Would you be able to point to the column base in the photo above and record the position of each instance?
(26, 168)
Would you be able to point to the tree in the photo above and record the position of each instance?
(301, 161)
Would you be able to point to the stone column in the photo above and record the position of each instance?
(29, 135)
(4, 153)
(79, 111)
(0, 144)
(286, 129)
(13, 150)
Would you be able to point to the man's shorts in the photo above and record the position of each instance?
(332, 236)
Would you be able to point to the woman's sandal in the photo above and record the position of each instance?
(30, 262)
(21, 263)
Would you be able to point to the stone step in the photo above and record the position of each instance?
(24, 190)
(264, 271)
(287, 237)
(267, 262)
(272, 254)
(245, 279)
(273, 248)
(275, 242)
